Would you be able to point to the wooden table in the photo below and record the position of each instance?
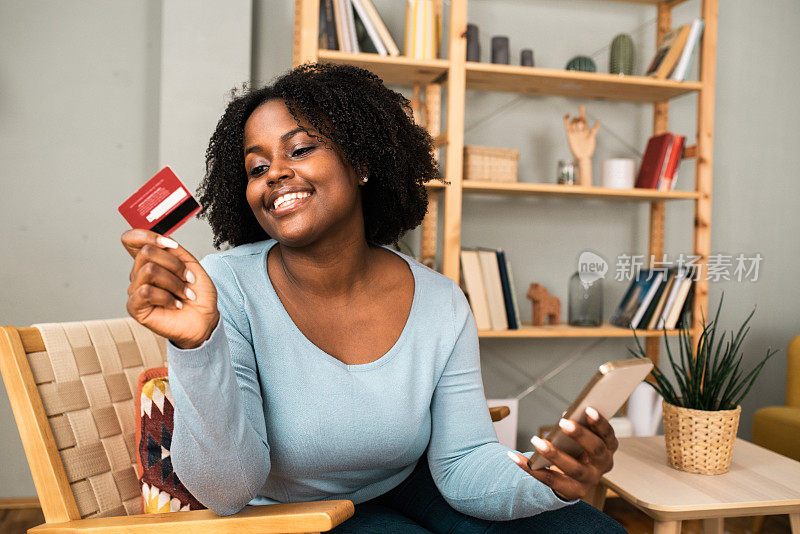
(760, 482)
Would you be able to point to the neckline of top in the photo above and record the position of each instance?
(357, 366)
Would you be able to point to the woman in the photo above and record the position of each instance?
(311, 361)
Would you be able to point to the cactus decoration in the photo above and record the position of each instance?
(621, 60)
(582, 63)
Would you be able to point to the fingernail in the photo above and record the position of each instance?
(190, 294)
(179, 304)
(567, 425)
(540, 444)
(513, 457)
(591, 413)
(166, 242)
(189, 276)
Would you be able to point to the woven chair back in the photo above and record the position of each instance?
(86, 378)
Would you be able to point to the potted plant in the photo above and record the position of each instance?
(701, 414)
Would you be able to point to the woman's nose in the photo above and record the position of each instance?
(278, 170)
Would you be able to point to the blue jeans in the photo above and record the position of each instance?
(417, 507)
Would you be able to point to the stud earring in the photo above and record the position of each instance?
(364, 178)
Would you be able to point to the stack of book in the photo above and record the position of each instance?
(487, 280)
(676, 51)
(656, 299)
(423, 29)
(340, 27)
(660, 162)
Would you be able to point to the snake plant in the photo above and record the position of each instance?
(708, 378)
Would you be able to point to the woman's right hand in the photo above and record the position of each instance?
(170, 293)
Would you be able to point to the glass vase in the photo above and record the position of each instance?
(585, 302)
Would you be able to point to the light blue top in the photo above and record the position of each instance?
(264, 416)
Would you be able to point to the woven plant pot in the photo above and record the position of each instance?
(700, 441)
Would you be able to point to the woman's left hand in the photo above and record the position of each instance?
(572, 478)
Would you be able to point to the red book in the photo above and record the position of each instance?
(667, 181)
(655, 156)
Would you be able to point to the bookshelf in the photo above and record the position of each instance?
(459, 75)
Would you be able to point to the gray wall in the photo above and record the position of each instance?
(80, 88)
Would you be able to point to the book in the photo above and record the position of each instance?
(673, 292)
(667, 180)
(636, 300)
(662, 300)
(494, 288)
(644, 322)
(689, 51)
(322, 37)
(365, 45)
(473, 287)
(647, 296)
(653, 161)
(512, 313)
(627, 306)
(686, 311)
(628, 300)
(370, 27)
(421, 29)
(351, 26)
(340, 21)
(383, 32)
(668, 52)
(327, 26)
(677, 306)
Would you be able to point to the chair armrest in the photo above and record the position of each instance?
(316, 516)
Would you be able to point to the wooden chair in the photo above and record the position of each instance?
(71, 388)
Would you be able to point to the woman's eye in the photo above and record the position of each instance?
(258, 169)
(303, 150)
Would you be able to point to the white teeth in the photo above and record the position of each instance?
(288, 197)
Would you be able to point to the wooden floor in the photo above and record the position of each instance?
(17, 521)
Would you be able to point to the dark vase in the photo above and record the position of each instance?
(500, 49)
(473, 45)
(526, 58)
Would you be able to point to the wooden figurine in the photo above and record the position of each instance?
(545, 306)
(582, 144)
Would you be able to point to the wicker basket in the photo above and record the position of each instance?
(490, 164)
(700, 441)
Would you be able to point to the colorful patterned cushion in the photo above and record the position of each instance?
(161, 489)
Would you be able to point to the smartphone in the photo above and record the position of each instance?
(606, 392)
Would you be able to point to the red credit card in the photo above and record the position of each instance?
(161, 205)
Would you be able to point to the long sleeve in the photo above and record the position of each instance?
(469, 466)
(219, 445)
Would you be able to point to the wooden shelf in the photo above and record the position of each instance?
(567, 191)
(393, 70)
(401, 70)
(670, 3)
(570, 83)
(567, 331)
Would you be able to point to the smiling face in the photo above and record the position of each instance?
(323, 189)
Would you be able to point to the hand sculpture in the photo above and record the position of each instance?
(581, 143)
